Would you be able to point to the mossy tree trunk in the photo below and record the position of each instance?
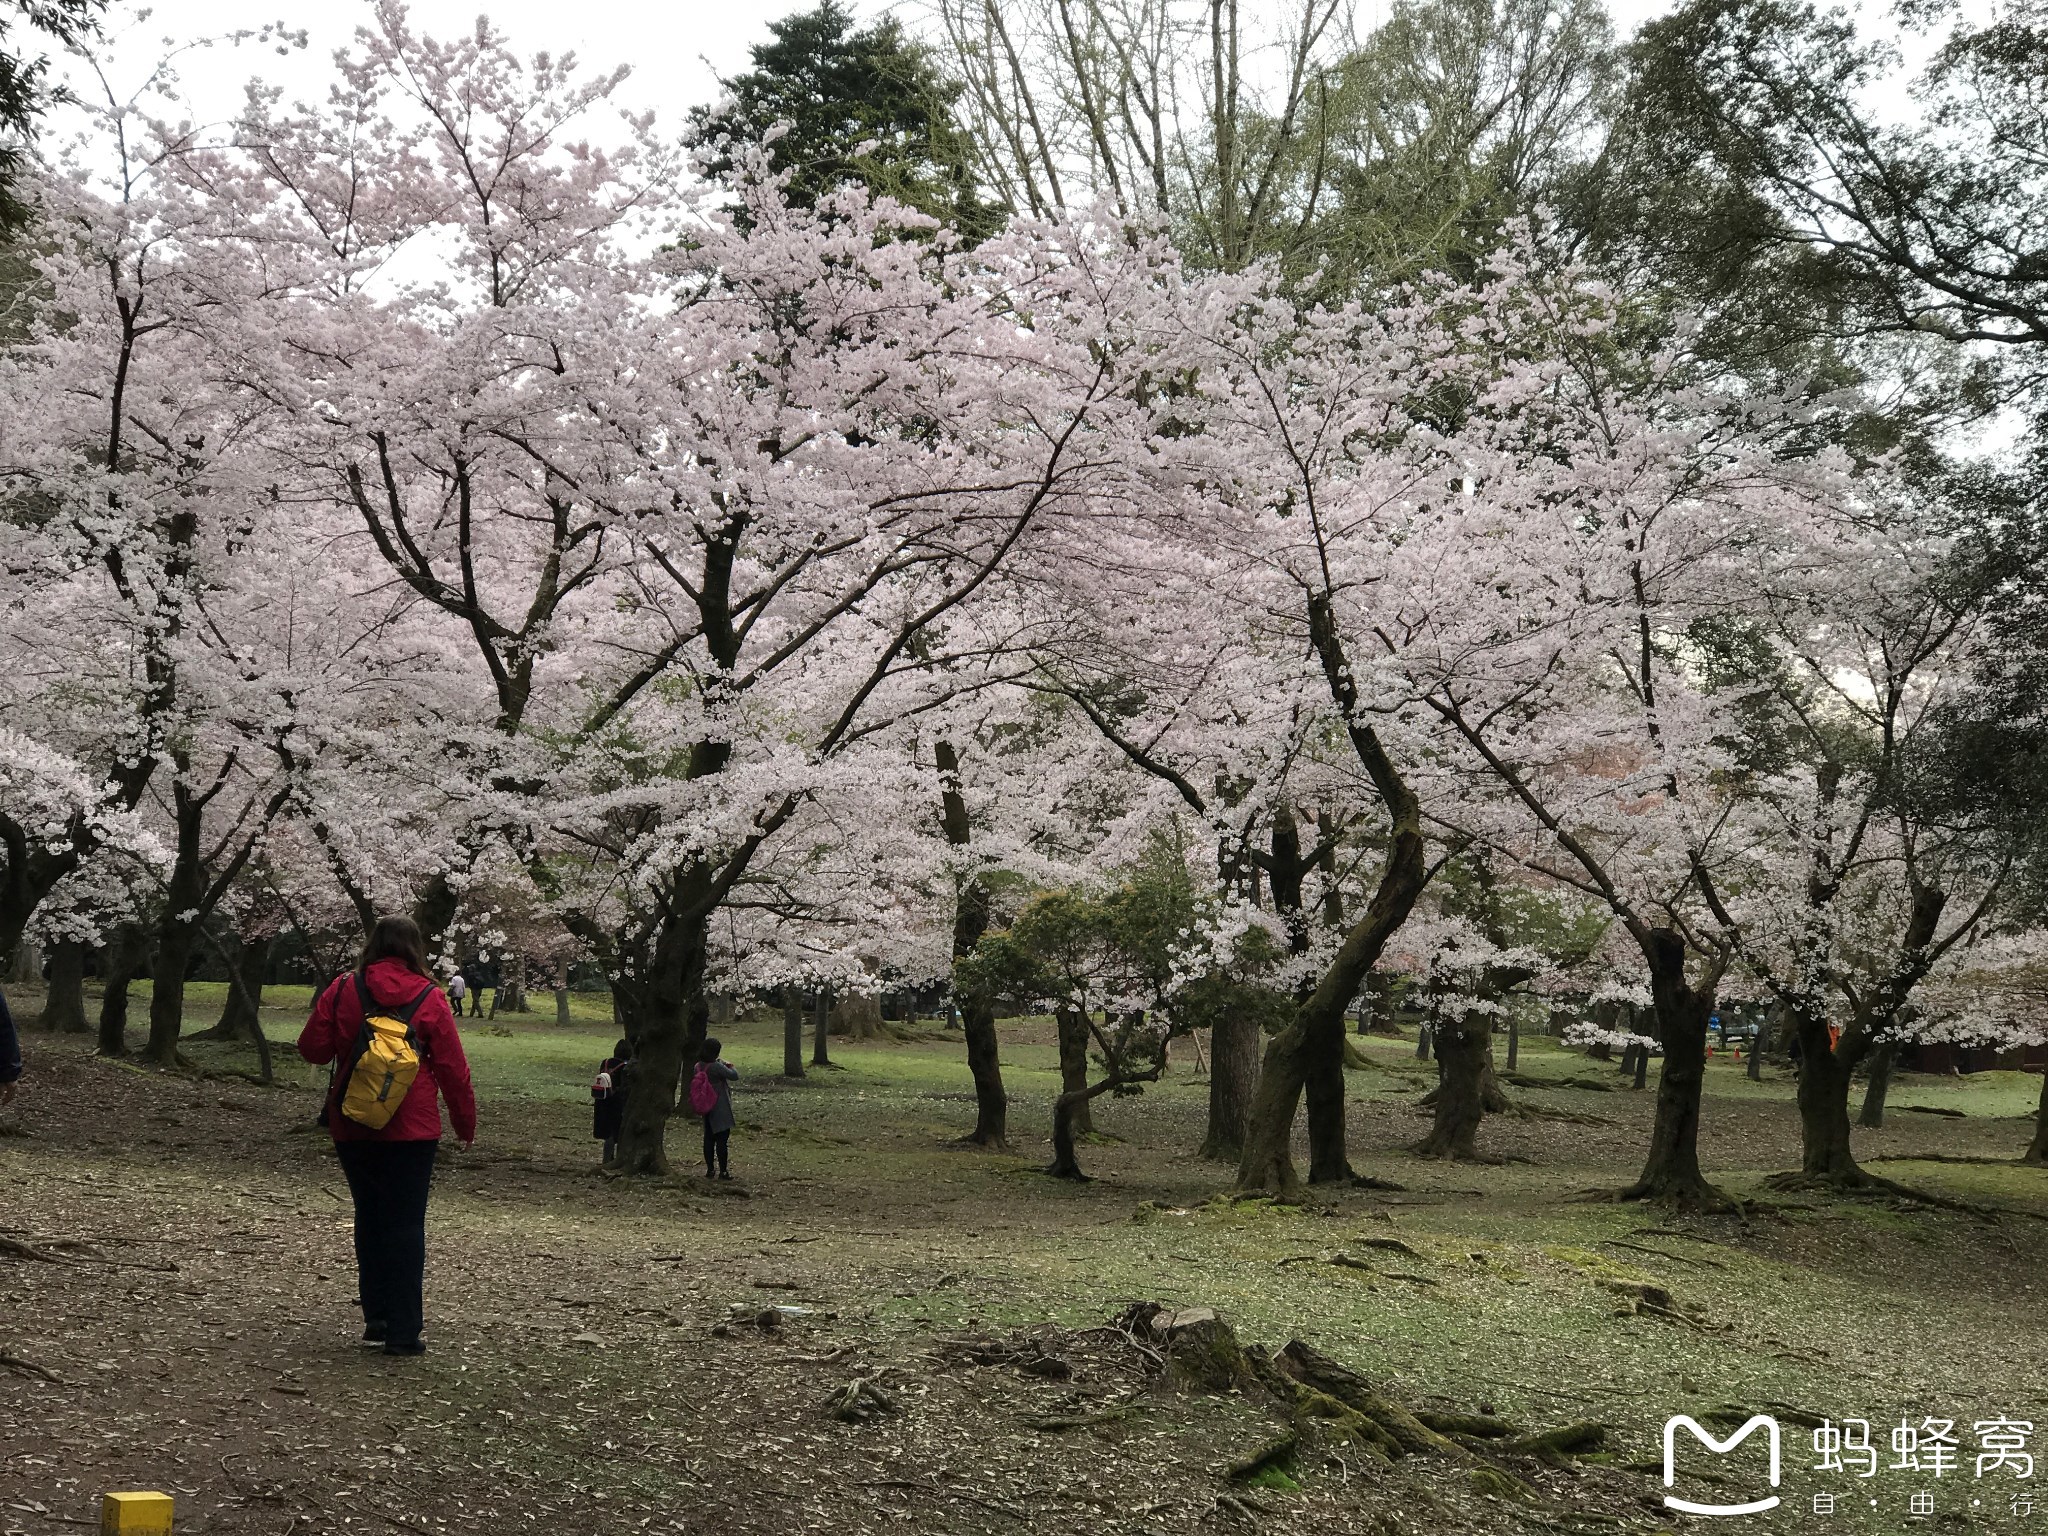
(2037, 1150)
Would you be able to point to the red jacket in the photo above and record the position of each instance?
(337, 1021)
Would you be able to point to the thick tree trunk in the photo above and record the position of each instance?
(1825, 1070)
(2037, 1150)
(170, 962)
(64, 1002)
(984, 1063)
(1072, 1027)
(176, 943)
(1642, 1077)
(1827, 1067)
(1233, 1081)
(1329, 1161)
(247, 962)
(125, 954)
(1461, 1052)
(858, 1017)
(792, 1032)
(511, 994)
(1467, 1089)
(1376, 1013)
(1672, 1170)
(673, 980)
(821, 1047)
(1882, 1061)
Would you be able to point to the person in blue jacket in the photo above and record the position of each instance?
(10, 1052)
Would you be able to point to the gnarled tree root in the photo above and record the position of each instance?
(1327, 1404)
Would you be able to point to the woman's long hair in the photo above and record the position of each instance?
(395, 938)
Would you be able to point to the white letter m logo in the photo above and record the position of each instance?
(1719, 1448)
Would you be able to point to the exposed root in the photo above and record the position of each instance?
(26, 1367)
(1525, 1111)
(858, 1401)
(1456, 1150)
(15, 1248)
(1694, 1195)
(1860, 1183)
(1031, 1356)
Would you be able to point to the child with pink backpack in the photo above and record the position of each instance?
(711, 1097)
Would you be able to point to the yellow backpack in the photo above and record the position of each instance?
(385, 1061)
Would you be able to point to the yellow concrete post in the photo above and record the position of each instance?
(135, 1514)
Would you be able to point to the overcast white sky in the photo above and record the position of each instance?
(676, 49)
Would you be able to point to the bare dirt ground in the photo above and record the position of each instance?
(605, 1357)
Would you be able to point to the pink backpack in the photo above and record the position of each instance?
(703, 1091)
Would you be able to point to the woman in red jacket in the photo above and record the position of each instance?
(389, 1170)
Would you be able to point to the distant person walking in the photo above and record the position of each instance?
(10, 1053)
(711, 1097)
(608, 1098)
(457, 986)
(388, 1027)
(482, 974)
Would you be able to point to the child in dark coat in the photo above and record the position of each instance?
(608, 1098)
(718, 1119)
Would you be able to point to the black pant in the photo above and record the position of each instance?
(389, 1180)
(714, 1146)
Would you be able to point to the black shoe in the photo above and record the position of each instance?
(374, 1334)
(725, 1173)
(416, 1347)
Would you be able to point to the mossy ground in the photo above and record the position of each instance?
(231, 1377)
